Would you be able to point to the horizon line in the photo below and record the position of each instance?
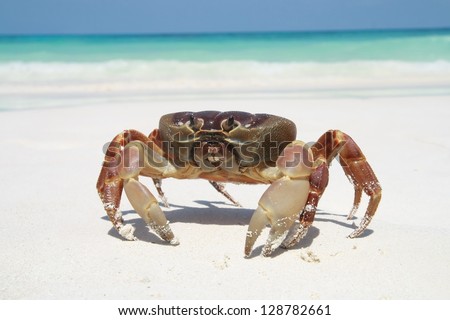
(218, 33)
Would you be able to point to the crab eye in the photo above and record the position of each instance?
(191, 118)
(230, 121)
(194, 123)
(229, 124)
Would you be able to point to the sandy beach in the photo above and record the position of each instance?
(57, 242)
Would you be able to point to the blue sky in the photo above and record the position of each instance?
(184, 16)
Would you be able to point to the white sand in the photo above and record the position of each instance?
(58, 244)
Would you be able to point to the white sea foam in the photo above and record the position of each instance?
(122, 76)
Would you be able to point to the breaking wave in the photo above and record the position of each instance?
(171, 77)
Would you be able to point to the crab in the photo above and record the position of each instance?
(236, 147)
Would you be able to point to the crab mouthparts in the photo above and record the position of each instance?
(211, 154)
(214, 154)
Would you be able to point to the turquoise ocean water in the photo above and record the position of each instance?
(410, 62)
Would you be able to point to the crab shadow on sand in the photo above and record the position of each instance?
(211, 214)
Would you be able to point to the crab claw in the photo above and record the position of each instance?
(147, 207)
(279, 208)
(258, 222)
(280, 205)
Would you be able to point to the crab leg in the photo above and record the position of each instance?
(331, 144)
(155, 138)
(283, 200)
(162, 196)
(318, 182)
(220, 187)
(123, 163)
(110, 185)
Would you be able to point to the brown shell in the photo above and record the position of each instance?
(254, 137)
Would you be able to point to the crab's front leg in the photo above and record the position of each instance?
(133, 153)
(283, 200)
(335, 143)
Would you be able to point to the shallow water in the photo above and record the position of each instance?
(314, 63)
